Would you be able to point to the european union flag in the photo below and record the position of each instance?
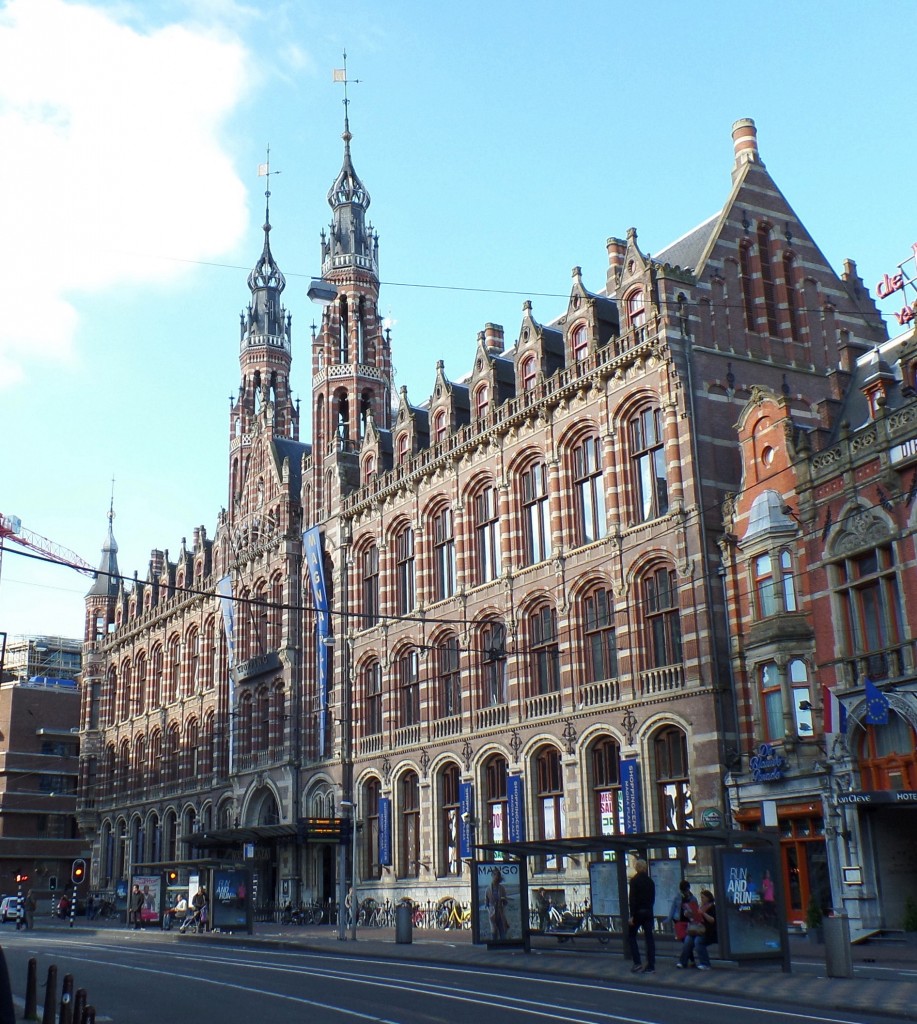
(876, 704)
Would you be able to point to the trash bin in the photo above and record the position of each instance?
(403, 923)
(838, 955)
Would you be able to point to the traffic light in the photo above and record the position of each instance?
(78, 871)
(172, 876)
(20, 878)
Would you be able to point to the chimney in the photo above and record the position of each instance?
(616, 248)
(745, 143)
(493, 337)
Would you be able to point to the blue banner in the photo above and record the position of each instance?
(515, 800)
(312, 546)
(630, 791)
(466, 820)
(385, 830)
(224, 589)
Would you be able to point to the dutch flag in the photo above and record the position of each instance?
(835, 712)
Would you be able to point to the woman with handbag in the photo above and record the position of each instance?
(701, 931)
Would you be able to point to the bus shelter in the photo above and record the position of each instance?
(747, 881)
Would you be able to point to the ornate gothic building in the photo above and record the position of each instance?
(525, 628)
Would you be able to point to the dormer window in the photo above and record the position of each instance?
(439, 425)
(635, 309)
(529, 372)
(482, 400)
(580, 342)
(403, 448)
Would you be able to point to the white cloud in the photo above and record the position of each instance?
(113, 154)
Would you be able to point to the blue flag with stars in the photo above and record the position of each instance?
(876, 704)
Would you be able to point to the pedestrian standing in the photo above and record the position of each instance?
(702, 932)
(642, 900)
(135, 907)
(29, 907)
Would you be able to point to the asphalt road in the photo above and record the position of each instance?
(138, 979)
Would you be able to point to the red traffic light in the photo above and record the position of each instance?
(78, 871)
(22, 878)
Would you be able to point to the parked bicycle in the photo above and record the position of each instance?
(450, 913)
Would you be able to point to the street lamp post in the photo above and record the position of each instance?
(354, 899)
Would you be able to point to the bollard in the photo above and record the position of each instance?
(403, 923)
(50, 1008)
(79, 1005)
(89, 1015)
(66, 1001)
(31, 991)
(7, 1013)
(838, 955)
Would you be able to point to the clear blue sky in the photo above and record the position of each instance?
(502, 145)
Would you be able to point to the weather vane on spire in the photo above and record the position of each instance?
(340, 75)
(264, 171)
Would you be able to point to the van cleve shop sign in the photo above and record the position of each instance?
(767, 765)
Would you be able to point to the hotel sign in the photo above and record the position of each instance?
(892, 283)
(874, 798)
(904, 452)
(258, 666)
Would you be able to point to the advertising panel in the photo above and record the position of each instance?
(604, 896)
(748, 901)
(500, 903)
(230, 900)
(515, 800)
(630, 792)
(385, 830)
(151, 887)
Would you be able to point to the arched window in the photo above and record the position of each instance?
(372, 688)
(124, 692)
(409, 825)
(449, 781)
(599, 640)
(369, 468)
(771, 720)
(764, 586)
(529, 372)
(450, 683)
(888, 755)
(372, 791)
(409, 688)
(648, 468)
(193, 647)
(174, 680)
(369, 573)
(404, 448)
(496, 825)
(536, 514)
(787, 578)
(579, 342)
(482, 400)
(748, 286)
(138, 690)
(789, 277)
(673, 792)
(440, 425)
(493, 663)
(157, 682)
(608, 805)
(589, 491)
(404, 570)
(661, 618)
(487, 535)
(767, 279)
(443, 555)
(551, 807)
(635, 308)
(802, 697)
(544, 655)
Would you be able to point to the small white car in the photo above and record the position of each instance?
(9, 908)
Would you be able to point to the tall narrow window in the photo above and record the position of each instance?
(487, 535)
(662, 619)
(409, 684)
(802, 697)
(493, 655)
(589, 489)
(606, 787)
(673, 792)
(647, 452)
(370, 587)
(748, 287)
(404, 570)
(404, 448)
(439, 425)
(580, 342)
(371, 793)
(771, 702)
(601, 649)
(788, 580)
(536, 516)
(544, 654)
(767, 279)
(409, 825)
(529, 372)
(372, 688)
(789, 277)
(449, 827)
(496, 825)
(482, 400)
(344, 331)
(552, 811)
(450, 683)
(443, 555)
(764, 586)
(635, 306)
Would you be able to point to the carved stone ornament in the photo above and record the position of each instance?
(862, 529)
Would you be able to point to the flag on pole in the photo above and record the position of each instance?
(339, 75)
(876, 704)
(835, 712)
(263, 170)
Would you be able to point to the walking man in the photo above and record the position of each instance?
(642, 898)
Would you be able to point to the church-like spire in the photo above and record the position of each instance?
(107, 579)
(265, 314)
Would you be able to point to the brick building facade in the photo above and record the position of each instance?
(526, 609)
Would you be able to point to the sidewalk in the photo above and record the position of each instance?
(885, 981)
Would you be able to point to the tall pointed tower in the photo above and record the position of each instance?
(351, 359)
(264, 401)
(102, 595)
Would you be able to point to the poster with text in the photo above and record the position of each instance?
(151, 887)
(748, 899)
(230, 900)
(499, 905)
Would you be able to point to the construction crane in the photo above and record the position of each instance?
(11, 529)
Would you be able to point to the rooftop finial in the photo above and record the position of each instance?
(264, 171)
(111, 507)
(340, 75)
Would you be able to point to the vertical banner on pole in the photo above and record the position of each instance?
(385, 831)
(630, 790)
(515, 800)
(312, 545)
(466, 820)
